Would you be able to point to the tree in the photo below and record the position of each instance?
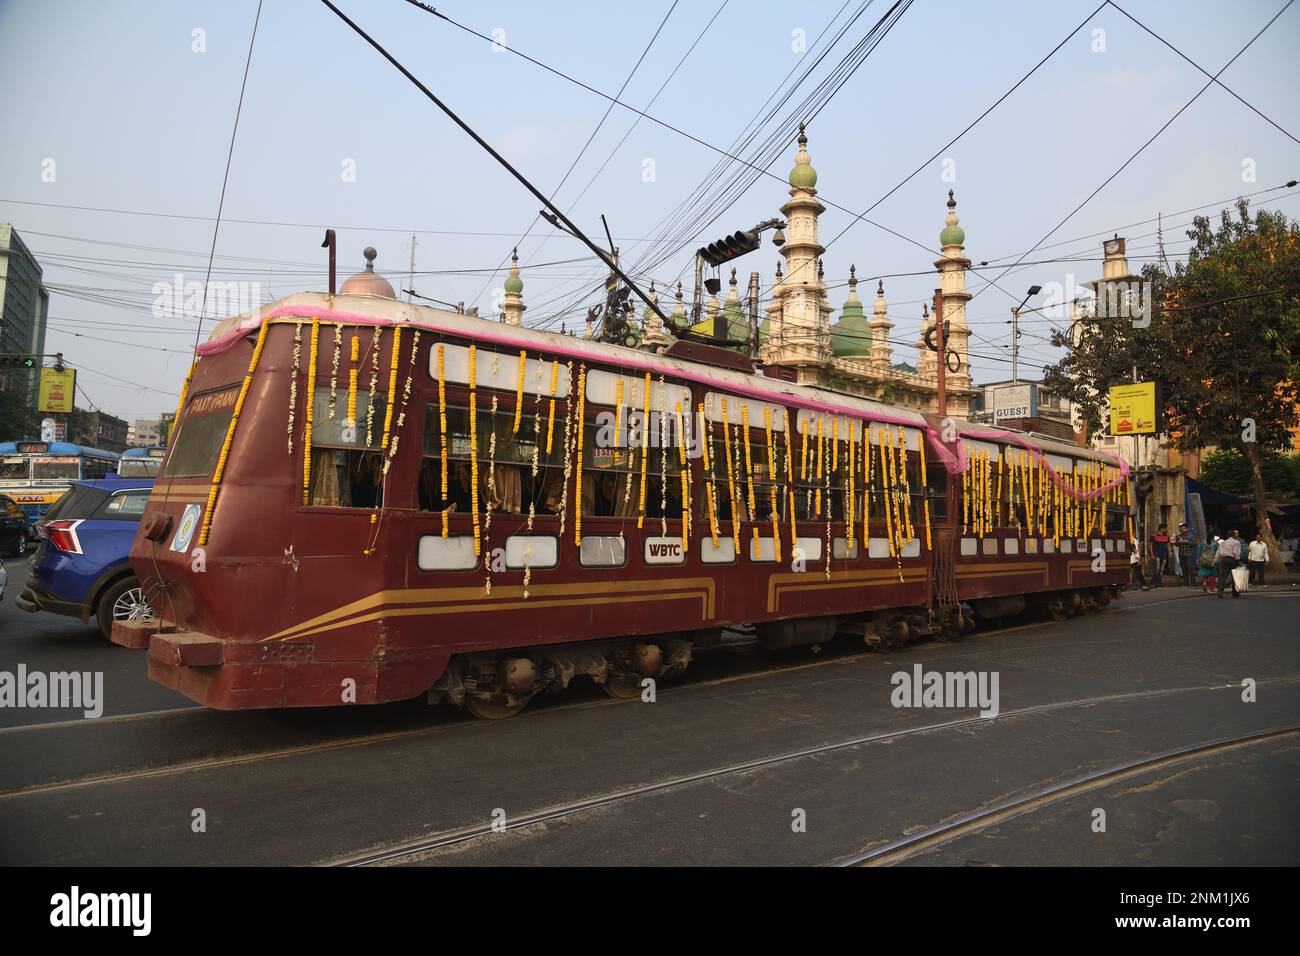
(1227, 470)
(17, 419)
(1222, 342)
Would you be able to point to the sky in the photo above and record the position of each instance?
(126, 107)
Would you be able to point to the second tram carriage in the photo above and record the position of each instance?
(367, 500)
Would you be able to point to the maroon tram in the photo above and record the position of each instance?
(367, 500)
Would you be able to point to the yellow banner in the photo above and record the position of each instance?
(1133, 409)
(57, 390)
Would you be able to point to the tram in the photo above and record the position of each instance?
(367, 500)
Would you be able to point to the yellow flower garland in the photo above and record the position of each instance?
(582, 431)
(519, 391)
(311, 410)
(473, 447)
(206, 525)
(707, 434)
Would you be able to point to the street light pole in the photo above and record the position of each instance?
(1015, 333)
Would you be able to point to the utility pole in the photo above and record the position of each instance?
(410, 279)
(941, 366)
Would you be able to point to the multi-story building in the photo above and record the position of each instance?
(1050, 413)
(24, 307)
(144, 432)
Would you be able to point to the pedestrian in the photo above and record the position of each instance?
(1184, 547)
(1229, 556)
(1159, 555)
(1257, 559)
(1206, 565)
(1136, 578)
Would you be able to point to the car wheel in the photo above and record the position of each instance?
(123, 600)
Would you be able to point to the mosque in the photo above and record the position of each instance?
(799, 342)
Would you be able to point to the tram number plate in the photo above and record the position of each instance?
(664, 550)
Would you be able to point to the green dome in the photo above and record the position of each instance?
(514, 285)
(803, 176)
(850, 336)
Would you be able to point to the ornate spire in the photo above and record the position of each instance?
(512, 310)
(953, 234)
(803, 176)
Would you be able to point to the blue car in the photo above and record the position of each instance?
(80, 567)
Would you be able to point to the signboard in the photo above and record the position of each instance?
(33, 447)
(57, 389)
(1133, 409)
(1012, 402)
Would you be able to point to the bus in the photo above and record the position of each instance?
(37, 473)
(141, 462)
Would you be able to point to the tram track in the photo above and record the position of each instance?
(397, 852)
(982, 630)
(452, 723)
(897, 851)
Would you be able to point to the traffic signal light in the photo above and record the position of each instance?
(19, 361)
(730, 247)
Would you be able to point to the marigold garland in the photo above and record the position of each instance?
(731, 478)
(334, 370)
(491, 483)
(710, 486)
(581, 431)
(749, 470)
(293, 381)
(220, 470)
(473, 447)
(645, 451)
(685, 476)
(374, 385)
(568, 445)
(663, 460)
(550, 421)
(618, 420)
(185, 387)
(771, 476)
(311, 410)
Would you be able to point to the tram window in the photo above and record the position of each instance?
(347, 479)
(936, 488)
(198, 444)
(327, 431)
(1115, 520)
(14, 469)
(513, 485)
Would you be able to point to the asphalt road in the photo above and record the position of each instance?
(781, 759)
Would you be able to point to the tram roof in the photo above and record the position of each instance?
(381, 311)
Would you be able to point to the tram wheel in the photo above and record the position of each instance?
(487, 710)
(622, 688)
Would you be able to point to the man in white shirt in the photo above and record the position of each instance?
(1257, 560)
(1229, 556)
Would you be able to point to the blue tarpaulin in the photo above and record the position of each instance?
(1210, 496)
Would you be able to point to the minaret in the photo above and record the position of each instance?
(800, 325)
(652, 327)
(512, 312)
(952, 266)
(882, 352)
